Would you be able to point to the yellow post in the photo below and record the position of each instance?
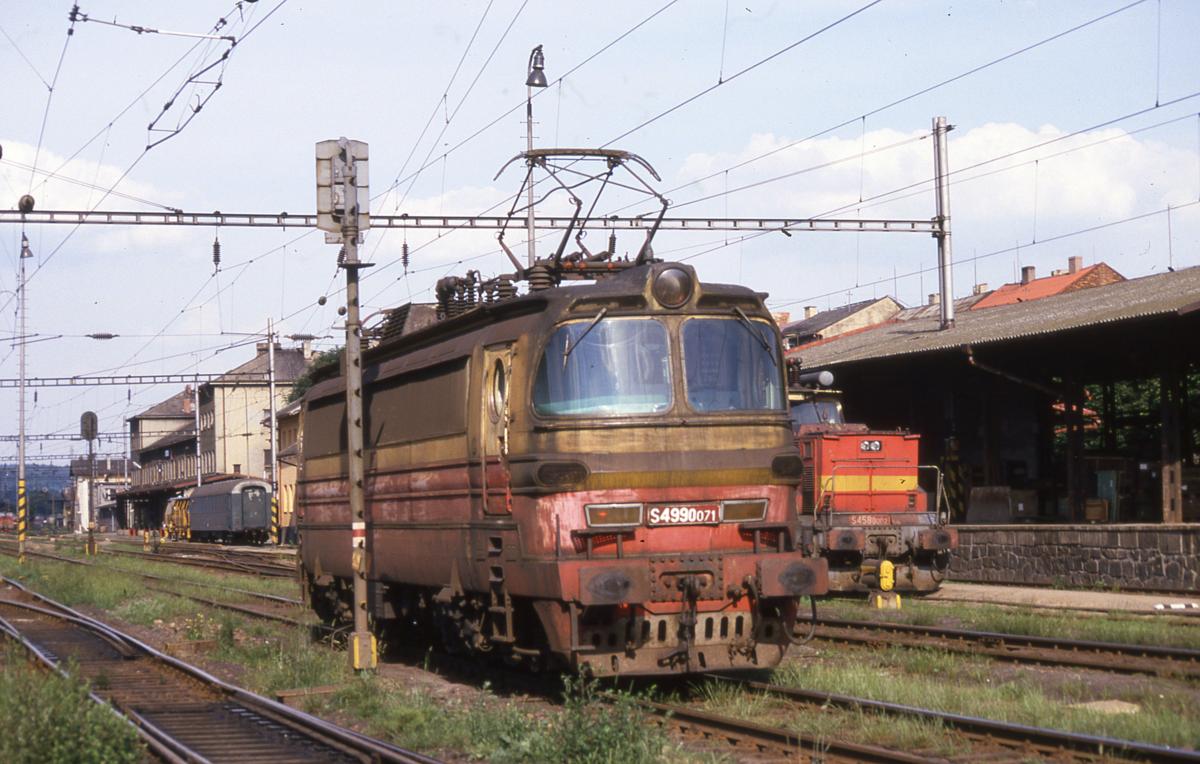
(275, 537)
(22, 520)
(145, 540)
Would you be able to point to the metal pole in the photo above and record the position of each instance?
(275, 538)
(362, 652)
(196, 426)
(529, 221)
(941, 170)
(91, 499)
(22, 509)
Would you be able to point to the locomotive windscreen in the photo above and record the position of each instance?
(731, 364)
(606, 367)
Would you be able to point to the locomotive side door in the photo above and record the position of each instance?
(493, 432)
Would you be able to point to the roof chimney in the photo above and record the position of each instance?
(810, 311)
(306, 350)
(1028, 273)
(1074, 264)
(260, 348)
(935, 299)
(979, 288)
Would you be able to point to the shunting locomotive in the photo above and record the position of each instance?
(877, 527)
(597, 475)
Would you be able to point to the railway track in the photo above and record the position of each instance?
(998, 741)
(226, 564)
(181, 712)
(230, 606)
(1051, 651)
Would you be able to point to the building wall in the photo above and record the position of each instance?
(877, 313)
(233, 436)
(151, 430)
(1154, 557)
(1099, 275)
(105, 502)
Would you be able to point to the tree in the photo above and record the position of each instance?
(319, 364)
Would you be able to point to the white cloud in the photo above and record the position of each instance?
(1118, 176)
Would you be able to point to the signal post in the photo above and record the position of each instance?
(342, 199)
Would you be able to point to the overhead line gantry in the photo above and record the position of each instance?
(286, 220)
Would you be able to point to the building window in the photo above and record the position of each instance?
(237, 469)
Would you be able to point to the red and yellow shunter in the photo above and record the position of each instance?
(879, 530)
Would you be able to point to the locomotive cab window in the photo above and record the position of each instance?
(812, 411)
(605, 367)
(731, 364)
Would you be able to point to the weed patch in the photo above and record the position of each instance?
(51, 720)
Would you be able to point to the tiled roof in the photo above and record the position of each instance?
(289, 365)
(1043, 287)
(935, 310)
(178, 405)
(809, 326)
(1160, 294)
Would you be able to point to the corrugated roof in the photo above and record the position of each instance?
(1160, 294)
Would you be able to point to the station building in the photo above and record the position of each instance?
(1068, 401)
(234, 439)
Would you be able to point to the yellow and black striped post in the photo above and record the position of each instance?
(955, 484)
(276, 539)
(22, 520)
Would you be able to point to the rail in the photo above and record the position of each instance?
(181, 712)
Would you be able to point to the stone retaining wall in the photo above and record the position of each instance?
(1158, 557)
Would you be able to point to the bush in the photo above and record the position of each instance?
(49, 719)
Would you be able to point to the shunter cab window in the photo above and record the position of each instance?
(609, 367)
(814, 411)
(731, 364)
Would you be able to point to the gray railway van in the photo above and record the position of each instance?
(231, 510)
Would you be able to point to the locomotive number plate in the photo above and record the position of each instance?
(881, 518)
(683, 514)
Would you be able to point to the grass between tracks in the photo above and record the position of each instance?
(1027, 621)
(267, 658)
(1166, 711)
(49, 719)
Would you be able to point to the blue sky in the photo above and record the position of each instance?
(379, 71)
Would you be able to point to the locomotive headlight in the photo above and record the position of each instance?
(561, 474)
(613, 514)
(742, 511)
(787, 466)
(672, 287)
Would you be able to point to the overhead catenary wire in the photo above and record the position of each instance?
(46, 259)
(1015, 248)
(50, 93)
(913, 95)
(889, 196)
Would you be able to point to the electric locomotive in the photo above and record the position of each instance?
(874, 523)
(593, 476)
(596, 477)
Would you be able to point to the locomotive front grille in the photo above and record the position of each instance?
(662, 631)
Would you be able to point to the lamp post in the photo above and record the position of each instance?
(535, 79)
